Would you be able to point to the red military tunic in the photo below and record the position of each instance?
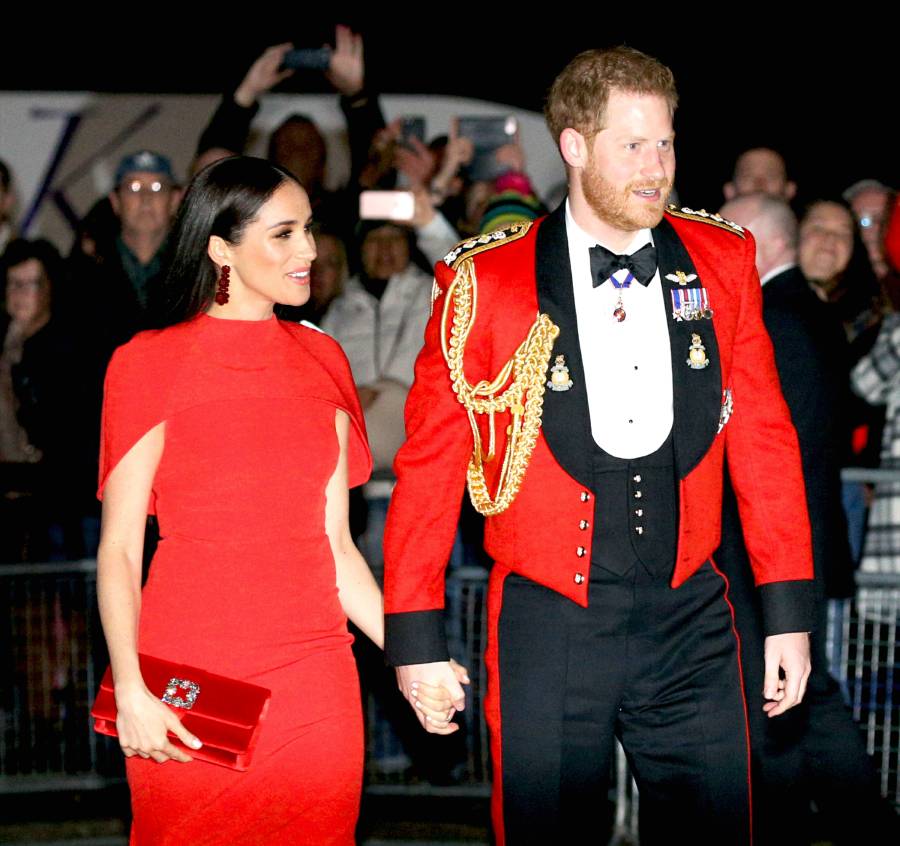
(542, 535)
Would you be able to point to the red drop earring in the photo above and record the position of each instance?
(222, 291)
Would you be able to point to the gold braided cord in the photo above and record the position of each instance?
(523, 395)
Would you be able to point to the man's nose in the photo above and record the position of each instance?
(654, 167)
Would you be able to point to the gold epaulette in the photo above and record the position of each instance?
(487, 241)
(703, 216)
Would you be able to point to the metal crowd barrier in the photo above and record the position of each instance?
(55, 654)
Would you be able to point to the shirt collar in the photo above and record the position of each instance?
(579, 239)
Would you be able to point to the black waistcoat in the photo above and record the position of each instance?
(635, 511)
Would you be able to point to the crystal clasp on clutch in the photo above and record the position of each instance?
(181, 693)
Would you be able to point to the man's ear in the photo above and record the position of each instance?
(729, 190)
(573, 147)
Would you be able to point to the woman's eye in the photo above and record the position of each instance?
(285, 234)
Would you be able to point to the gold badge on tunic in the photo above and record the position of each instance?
(560, 380)
(697, 359)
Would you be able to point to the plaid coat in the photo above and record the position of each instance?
(876, 378)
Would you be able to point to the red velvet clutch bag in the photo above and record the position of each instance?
(224, 713)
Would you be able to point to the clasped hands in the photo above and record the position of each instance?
(435, 692)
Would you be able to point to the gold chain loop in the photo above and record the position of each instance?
(524, 377)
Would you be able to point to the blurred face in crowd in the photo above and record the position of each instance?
(298, 146)
(385, 251)
(870, 207)
(630, 163)
(760, 171)
(145, 203)
(826, 242)
(329, 271)
(272, 262)
(28, 293)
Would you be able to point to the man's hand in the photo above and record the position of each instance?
(790, 653)
(265, 73)
(423, 211)
(347, 69)
(512, 156)
(416, 162)
(418, 684)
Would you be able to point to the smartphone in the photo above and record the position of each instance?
(412, 126)
(307, 59)
(387, 205)
(487, 134)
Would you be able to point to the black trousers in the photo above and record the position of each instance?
(657, 668)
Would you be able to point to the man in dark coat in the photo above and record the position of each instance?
(815, 751)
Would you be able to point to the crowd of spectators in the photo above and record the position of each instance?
(370, 288)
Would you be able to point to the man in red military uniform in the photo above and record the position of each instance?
(587, 375)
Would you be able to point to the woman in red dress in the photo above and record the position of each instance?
(242, 434)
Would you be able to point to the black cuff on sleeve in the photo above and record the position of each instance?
(415, 637)
(788, 606)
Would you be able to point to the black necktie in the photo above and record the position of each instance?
(641, 265)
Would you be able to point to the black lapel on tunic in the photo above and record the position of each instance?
(566, 419)
(697, 394)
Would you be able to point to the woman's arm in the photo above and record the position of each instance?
(359, 594)
(143, 720)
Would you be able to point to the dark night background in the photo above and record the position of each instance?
(820, 90)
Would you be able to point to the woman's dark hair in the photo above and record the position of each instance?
(221, 200)
(20, 250)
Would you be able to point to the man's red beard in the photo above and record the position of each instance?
(613, 207)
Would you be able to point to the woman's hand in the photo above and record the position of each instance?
(143, 722)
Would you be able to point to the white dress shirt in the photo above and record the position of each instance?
(627, 365)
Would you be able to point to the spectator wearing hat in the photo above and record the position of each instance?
(120, 283)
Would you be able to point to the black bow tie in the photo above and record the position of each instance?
(641, 265)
